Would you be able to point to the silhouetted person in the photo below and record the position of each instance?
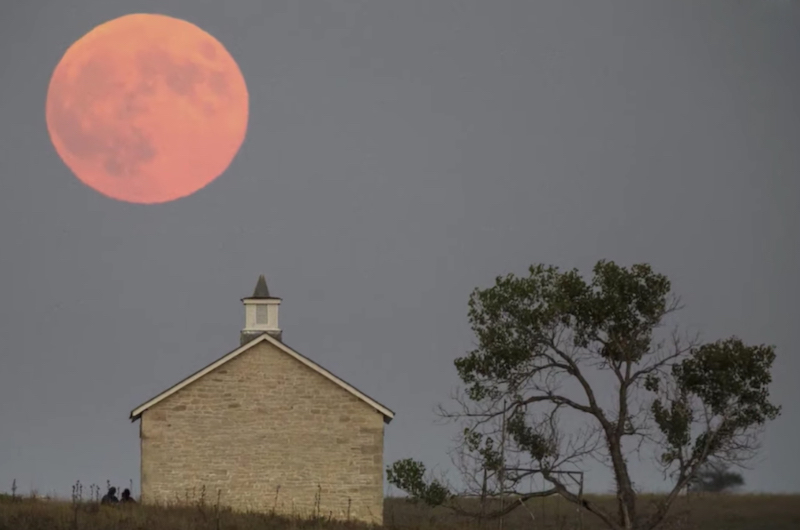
(126, 496)
(110, 497)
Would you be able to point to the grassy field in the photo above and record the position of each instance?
(697, 512)
(703, 512)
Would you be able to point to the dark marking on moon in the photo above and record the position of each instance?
(208, 50)
(114, 140)
(124, 157)
(181, 77)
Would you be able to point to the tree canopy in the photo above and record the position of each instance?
(716, 477)
(551, 345)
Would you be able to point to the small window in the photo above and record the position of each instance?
(261, 314)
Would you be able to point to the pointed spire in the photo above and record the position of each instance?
(261, 291)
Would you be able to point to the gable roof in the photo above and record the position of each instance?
(388, 415)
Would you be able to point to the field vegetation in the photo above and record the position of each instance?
(697, 511)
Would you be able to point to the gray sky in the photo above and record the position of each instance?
(398, 155)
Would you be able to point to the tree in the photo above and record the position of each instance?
(716, 477)
(575, 370)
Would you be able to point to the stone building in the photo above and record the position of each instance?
(265, 428)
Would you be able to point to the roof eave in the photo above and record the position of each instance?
(386, 418)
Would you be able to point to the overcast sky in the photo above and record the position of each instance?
(398, 155)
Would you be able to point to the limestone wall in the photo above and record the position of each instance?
(267, 432)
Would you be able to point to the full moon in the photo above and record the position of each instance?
(147, 108)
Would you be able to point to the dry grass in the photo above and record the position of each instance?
(699, 512)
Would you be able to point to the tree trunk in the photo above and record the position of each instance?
(626, 497)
